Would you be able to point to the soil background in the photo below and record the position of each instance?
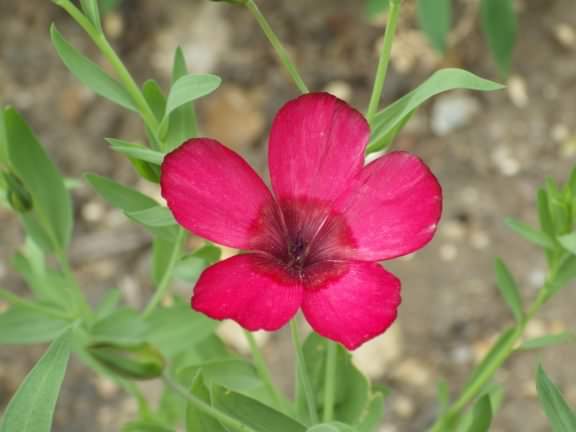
(490, 151)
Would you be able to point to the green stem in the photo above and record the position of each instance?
(207, 409)
(123, 74)
(164, 283)
(263, 370)
(446, 422)
(384, 61)
(277, 45)
(303, 372)
(330, 381)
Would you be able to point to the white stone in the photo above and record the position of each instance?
(453, 111)
(374, 358)
(233, 335)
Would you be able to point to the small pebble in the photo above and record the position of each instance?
(377, 356)
(504, 161)
(413, 372)
(340, 89)
(479, 240)
(517, 91)
(448, 252)
(565, 35)
(453, 111)
(233, 335)
(93, 211)
(403, 406)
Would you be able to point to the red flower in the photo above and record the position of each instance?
(314, 243)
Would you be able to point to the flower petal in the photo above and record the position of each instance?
(359, 303)
(249, 289)
(317, 146)
(392, 207)
(215, 194)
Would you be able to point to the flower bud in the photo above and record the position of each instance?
(18, 197)
(140, 362)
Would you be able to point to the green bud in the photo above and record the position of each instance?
(140, 362)
(146, 170)
(18, 197)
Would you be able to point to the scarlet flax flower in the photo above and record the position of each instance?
(314, 242)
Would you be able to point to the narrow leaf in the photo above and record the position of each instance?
(500, 27)
(155, 98)
(22, 326)
(52, 204)
(136, 151)
(260, 417)
(89, 73)
(531, 234)
(561, 416)
(32, 407)
(119, 196)
(157, 216)
(189, 88)
(197, 420)
(568, 241)
(509, 289)
(435, 18)
(441, 81)
(482, 415)
(548, 340)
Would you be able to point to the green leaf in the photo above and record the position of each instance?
(181, 124)
(3, 141)
(146, 426)
(155, 98)
(435, 18)
(561, 416)
(123, 326)
(89, 73)
(373, 414)
(190, 267)
(331, 427)
(52, 204)
(352, 393)
(255, 414)
(531, 234)
(482, 415)
(109, 5)
(499, 24)
(119, 196)
(157, 216)
(109, 303)
(32, 407)
(568, 241)
(178, 328)
(548, 340)
(233, 373)
(509, 289)
(189, 88)
(443, 80)
(196, 420)
(162, 250)
(136, 151)
(546, 221)
(19, 325)
(566, 272)
(91, 10)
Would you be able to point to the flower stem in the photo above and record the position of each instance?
(207, 409)
(164, 283)
(303, 372)
(446, 422)
(330, 381)
(384, 61)
(123, 74)
(263, 370)
(277, 45)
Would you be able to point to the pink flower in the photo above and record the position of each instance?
(313, 243)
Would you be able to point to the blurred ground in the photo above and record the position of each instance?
(490, 152)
